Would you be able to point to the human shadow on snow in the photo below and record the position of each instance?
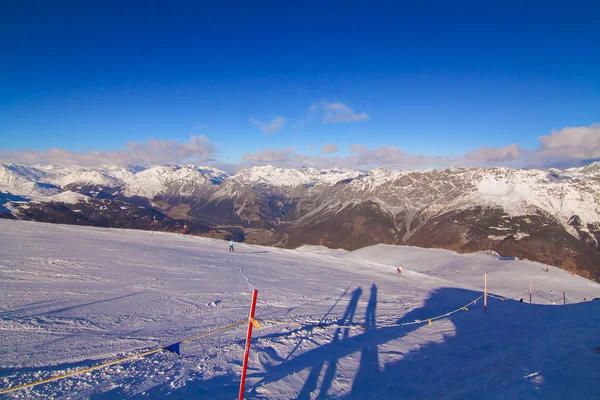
(505, 348)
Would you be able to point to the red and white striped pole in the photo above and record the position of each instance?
(248, 338)
(485, 296)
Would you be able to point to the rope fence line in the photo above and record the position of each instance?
(500, 298)
(309, 325)
(256, 324)
(555, 299)
(417, 321)
(521, 295)
(212, 332)
(117, 361)
(430, 320)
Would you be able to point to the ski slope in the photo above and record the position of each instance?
(73, 297)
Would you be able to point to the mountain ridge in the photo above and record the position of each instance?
(522, 213)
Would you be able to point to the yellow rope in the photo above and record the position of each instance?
(418, 321)
(429, 320)
(213, 332)
(148, 352)
(322, 325)
(497, 297)
(118, 361)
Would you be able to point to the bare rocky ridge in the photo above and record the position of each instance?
(549, 216)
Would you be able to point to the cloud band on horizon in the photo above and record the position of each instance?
(199, 150)
(570, 146)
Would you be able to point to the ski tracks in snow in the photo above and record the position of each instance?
(237, 271)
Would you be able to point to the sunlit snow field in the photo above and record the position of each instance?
(72, 297)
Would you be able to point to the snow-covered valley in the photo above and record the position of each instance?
(72, 297)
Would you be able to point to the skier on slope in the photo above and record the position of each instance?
(231, 246)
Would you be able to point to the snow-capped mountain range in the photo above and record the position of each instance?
(551, 216)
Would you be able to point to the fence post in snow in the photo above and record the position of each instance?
(485, 296)
(530, 290)
(248, 337)
(564, 298)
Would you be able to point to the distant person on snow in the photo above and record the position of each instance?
(231, 246)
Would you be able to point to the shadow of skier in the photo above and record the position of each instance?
(311, 383)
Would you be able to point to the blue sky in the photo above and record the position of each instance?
(264, 82)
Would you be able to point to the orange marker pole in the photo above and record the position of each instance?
(248, 338)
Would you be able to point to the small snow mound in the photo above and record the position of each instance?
(494, 254)
(321, 250)
(214, 303)
(490, 253)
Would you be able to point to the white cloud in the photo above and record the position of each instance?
(270, 156)
(199, 150)
(394, 157)
(564, 148)
(567, 147)
(571, 143)
(357, 148)
(491, 154)
(333, 113)
(269, 128)
(329, 148)
(391, 157)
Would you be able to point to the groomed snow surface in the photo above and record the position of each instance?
(73, 297)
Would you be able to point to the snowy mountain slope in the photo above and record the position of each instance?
(576, 192)
(21, 181)
(181, 180)
(253, 190)
(562, 193)
(550, 216)
(291, 177)
(261, 196)
(67, 197)
(465, 209)
(188, 180)
(565, 193)
(572, 194)
(86, 177)
(32, 173)
(75, 296)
